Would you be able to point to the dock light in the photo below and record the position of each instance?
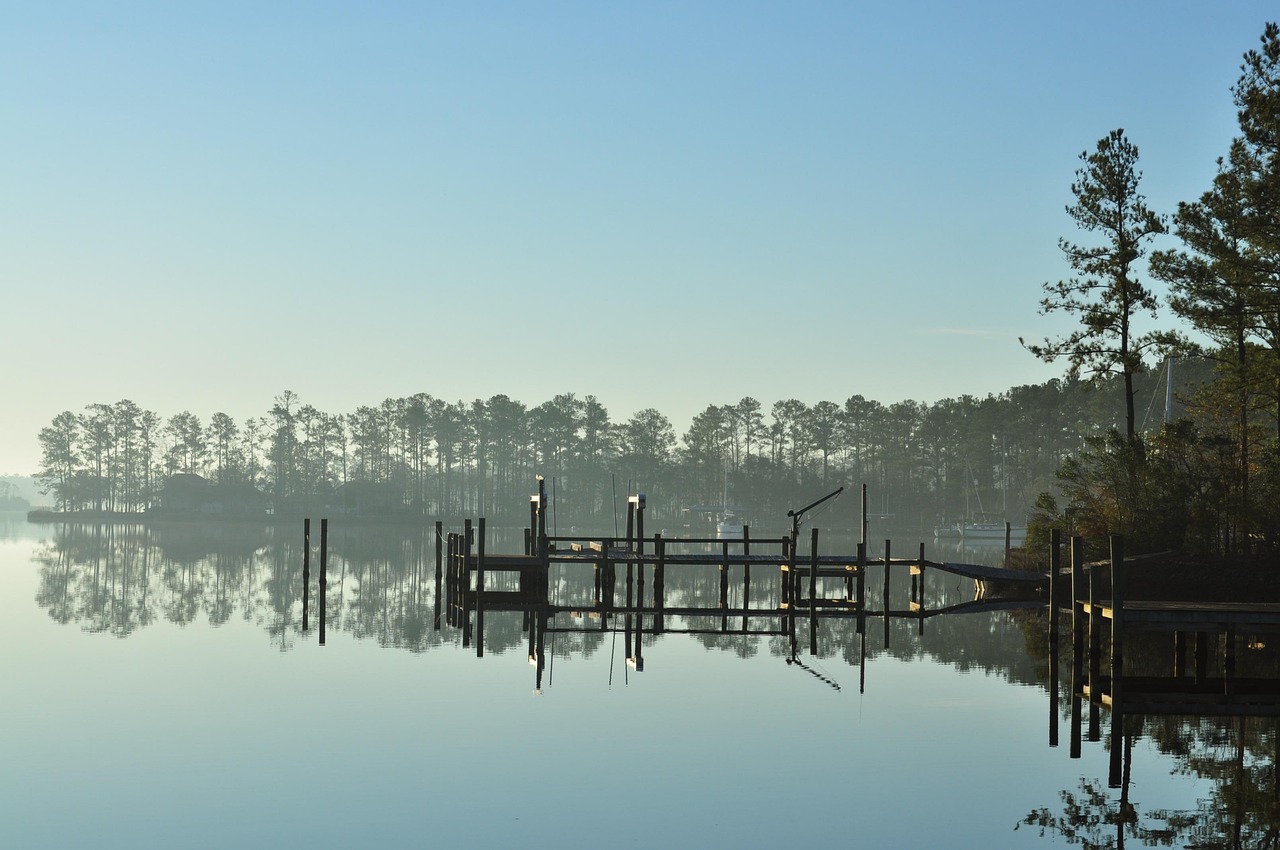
(637, 500)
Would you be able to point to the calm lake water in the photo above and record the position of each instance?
(159, 690)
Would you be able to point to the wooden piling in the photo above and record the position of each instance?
(1117, 657)
(813, 570)
(863, 537)
(1077, 608)
(746, 574)
(920, 600)
(640, 525)
(639, 656)
(1095, 631)
(862, 583)
(886, 579)
(306, 570)
(1055, 559)
(885, 594)
(659, 583)
(1117, 610)
(439, 565)
(480, 541)
(324, 573)
(813, 592)
(724, 573)
(1054, 604)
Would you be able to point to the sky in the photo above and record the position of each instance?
(664, 205)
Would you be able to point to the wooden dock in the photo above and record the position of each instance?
(1202, 632)
(776, 583)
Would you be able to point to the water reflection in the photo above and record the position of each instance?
(121, 579)
(1198, 681)
(383, 587)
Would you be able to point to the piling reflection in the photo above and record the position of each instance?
(117, 579)
(599, 602)
(1216, 716)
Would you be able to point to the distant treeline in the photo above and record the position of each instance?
(422, 456)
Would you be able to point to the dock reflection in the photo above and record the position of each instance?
(644, 588)
(1197, 679)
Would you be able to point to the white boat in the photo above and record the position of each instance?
(729, 526)
(991, 531)
(946, 532)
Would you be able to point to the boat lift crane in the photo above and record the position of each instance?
(800, 512)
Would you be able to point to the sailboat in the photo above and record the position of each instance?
(729, 526)
(984, 529)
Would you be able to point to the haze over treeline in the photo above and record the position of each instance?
(423, 456)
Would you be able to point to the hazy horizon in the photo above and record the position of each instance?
(662, 206)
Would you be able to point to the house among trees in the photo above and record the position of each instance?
(187, 494)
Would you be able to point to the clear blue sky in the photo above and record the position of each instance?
(662, 204)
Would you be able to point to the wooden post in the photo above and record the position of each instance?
(609, 580)
(789, 584)
(1077, 607)
(439, 554)
(626, 645)
(640, 527)
(1008, 534)
(886, 594)
(1077, 642)
(464, 582)
(324, 572)
(1117, 657)
(1117, 611)
(1055, 564)
(813, 592)
(448, 580)
(1095, 658)
(862, 588)
(863, 538)
(542, 521)
(535, 508)
(724, 574)
(306, 570)
(640, 613)
(746, 574)
(659, 583)
(480, 590)
(920, 598)
(1179, 654)
(1095, 634)
(813, 570)
(631, 522)
(886, 581)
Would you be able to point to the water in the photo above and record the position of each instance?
(159, 690)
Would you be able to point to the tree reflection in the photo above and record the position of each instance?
(1237, 756)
